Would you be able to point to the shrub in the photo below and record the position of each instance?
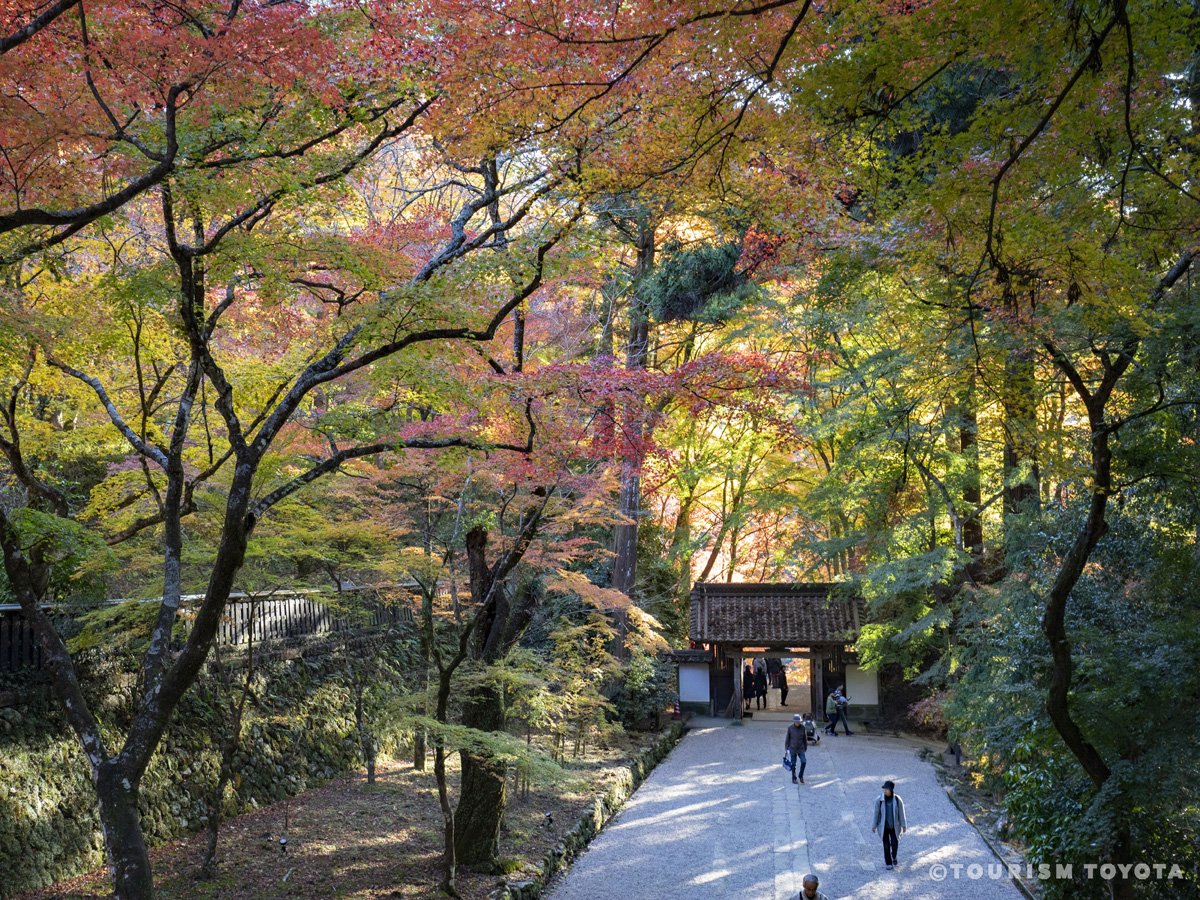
(927, 715)
(646, 690)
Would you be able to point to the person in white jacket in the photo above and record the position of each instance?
(889, 814)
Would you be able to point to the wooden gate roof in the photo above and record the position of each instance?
(774, 615)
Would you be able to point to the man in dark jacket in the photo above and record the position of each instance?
(760, 688)
(748, 684)
(795, 743)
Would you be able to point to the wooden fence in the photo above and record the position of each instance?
(274, 617)
(19, 649)
(283, 616)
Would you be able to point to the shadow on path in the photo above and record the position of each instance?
(719, 819)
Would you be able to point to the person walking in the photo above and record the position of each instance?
(795, 742)
(783, 686)
(809, 890)
(831, 710)
(842, 703)
(748, 684)
(760, 688)
(889, 813)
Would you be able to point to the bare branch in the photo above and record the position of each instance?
(330, 367)
(1085, 65)
(71, 221)
(145, 448)
(36, 24)
(334, 462)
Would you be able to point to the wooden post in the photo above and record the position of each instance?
(818, 663)
(737, 684)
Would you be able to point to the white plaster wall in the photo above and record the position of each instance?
(693, 683)
(862, 687)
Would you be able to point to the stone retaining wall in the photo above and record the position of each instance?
(303, 736)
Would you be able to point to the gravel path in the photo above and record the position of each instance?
(719, 819)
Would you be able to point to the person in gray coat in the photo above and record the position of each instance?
(889, 813)
(795, 743)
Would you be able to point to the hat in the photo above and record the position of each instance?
(795, 717)
(889, 785)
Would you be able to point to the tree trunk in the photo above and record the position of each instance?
(625, 537)
(1121, 854)
(680, 548)
(1095, 526)
(606, 422)
(419, 748)
(233, 740)
(1021, 492)
(483, 797)
(518, 340)
(124, 841)
(734, 532)
(445, 680)
(625, 540)
(427, 593)
(365, 737)
(449, 863)
(972, 495)
(208, 865)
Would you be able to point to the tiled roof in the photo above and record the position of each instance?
(792, 615)
(686, 655)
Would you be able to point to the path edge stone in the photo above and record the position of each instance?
(1017, 881)
(590, 824)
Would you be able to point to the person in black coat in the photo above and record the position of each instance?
(783, 687)
(760, 688)
(748, 689)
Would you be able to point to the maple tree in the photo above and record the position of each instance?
(222, 250)
(1016, 224)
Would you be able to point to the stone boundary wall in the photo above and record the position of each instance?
(302, 735)
(607, 805)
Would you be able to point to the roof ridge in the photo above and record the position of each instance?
(782, 587)
(772, 613)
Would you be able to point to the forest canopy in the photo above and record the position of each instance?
(563, 307)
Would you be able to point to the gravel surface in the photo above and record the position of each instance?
(719, 819)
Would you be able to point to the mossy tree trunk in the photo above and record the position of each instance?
(484, 797)
(629, 501)
(420, 751)
(124, 841)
